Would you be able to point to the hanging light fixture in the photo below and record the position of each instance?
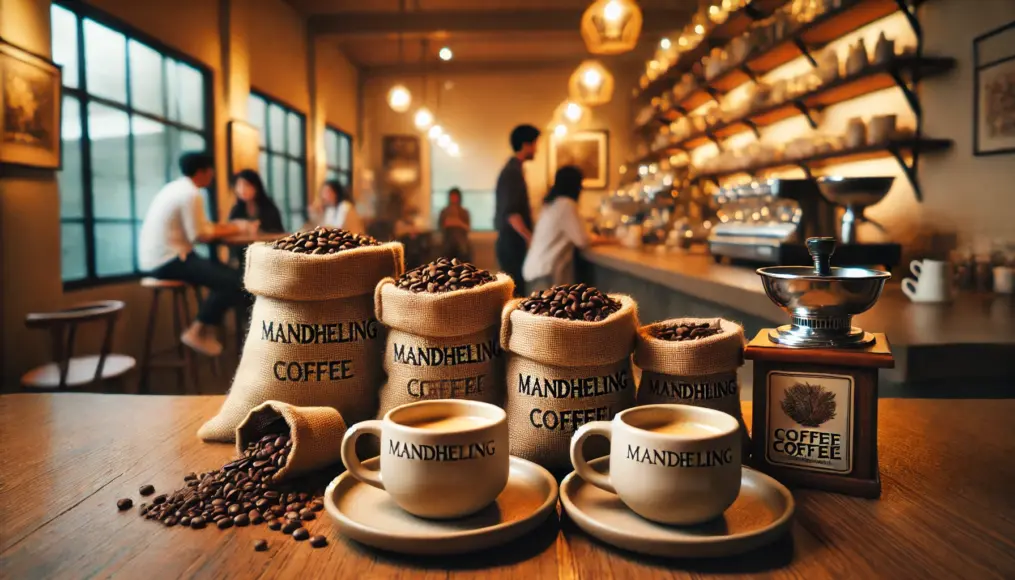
(399, 98)
(454, 150)
(423, 119)
(435, 132)
(591, 84)
(560, 130)
(611, 26)
(444, 141)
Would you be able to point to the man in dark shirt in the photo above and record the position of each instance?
(513, 217)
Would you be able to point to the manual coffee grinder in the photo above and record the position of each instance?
(816, 379)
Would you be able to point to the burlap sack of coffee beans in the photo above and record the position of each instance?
(314, 432)
(313, 340)
(442, 345)
(562, 374)
(700, 370)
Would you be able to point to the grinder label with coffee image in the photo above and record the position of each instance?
(810, 421)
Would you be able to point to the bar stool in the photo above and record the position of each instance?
(184, 360)
(69, 371)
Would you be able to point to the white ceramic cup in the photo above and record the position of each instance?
(932, 283)
(439, 459)
(672, 464)
(1004, 279)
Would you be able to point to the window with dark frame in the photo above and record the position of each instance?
(338, 152)
(131, 106)
(283, 160)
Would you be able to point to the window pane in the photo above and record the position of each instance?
(71, 177)
(343, 178)
(278, 181)
(181, 140)
(65, 43)
(255, 115)
(114, 249)
(191, 96)
(105, 62)
(73, 263)
(146, 89)
(296, 222)
(276, 129)
(262, 165)
(108, 128)
(295, 129)
(297, 189)
(344, 152)
(151, 161)
(332, 174)
(331, 147)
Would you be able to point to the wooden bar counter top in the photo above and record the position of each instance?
(947, 509)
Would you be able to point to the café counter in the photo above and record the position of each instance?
(971, 340)
(946, 509)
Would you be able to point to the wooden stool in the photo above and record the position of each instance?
(181, 315)
(68, 370)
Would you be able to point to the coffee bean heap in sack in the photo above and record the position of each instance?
(443, 275)
(243, 492)
(321, 240)
(571, 302)
(688, 331)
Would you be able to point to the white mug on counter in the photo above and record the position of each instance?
(932, 282)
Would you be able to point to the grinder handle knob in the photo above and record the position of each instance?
(821, 250)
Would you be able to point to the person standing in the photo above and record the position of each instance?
(513, 214)
(174, 223)
(455, 224)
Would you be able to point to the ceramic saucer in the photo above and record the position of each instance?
(368, 515)
(761, 514)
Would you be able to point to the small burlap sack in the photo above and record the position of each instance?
(316, 434)
(442, 346)
(313, 340)
(562, 374)
(701, 372)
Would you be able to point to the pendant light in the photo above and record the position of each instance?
(399, 97)
(591, 84)
(611, 26)
(423, 118)
(572, 114)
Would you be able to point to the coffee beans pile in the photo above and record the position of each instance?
(243, 492)
(444, 275)
(687, 331)
(571, 302)
(323, 240)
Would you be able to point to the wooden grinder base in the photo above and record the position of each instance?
(861, 364)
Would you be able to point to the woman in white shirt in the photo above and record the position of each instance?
(559, 231)
(335, 209)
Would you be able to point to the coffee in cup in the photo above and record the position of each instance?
(672, 464)
(439, 459)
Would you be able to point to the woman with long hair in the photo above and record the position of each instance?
(335, 208)
(253, 203)
(558, 232)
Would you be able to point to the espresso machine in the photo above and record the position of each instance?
(767, 222)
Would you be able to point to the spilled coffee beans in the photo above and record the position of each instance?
(323, 240)
(444, 275)
(687, 331)
(571, 302)
(318, 541)
(261, 546)
(124, 504)
(147, 489)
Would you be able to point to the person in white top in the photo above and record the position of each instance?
(174, 223)
(335, 209)
(559, 230)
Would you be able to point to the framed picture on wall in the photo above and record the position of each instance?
(589, 150)
(29, 109)
(994, 92)
(244, 147)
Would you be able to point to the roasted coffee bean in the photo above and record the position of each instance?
(292, 516)
(571, 302)
(224, 523)
(197, 523)
(291, 527)
(261, 545)
(185, 521)
(444, 275)
(124, 504)
(170, 521)
(322, 240)
(274, 525)
(255, 517)
(300, 534)
(316, 506)
(159, 499)
(318, 541)
(146, 489)
(233, 509)
(307, 515)
(242, 520)
(294, 507)
(686, 331)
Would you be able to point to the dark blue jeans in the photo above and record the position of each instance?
(225, 284)
(511, 249)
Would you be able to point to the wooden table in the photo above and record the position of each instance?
(245, 239)
(948, 508)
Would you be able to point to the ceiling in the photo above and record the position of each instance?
(482, 33)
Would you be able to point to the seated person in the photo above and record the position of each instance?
(175, 222)
(455, 224)
(254, 210)
(335, 209)
(558, 233)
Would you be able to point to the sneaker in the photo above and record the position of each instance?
(205, 344)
